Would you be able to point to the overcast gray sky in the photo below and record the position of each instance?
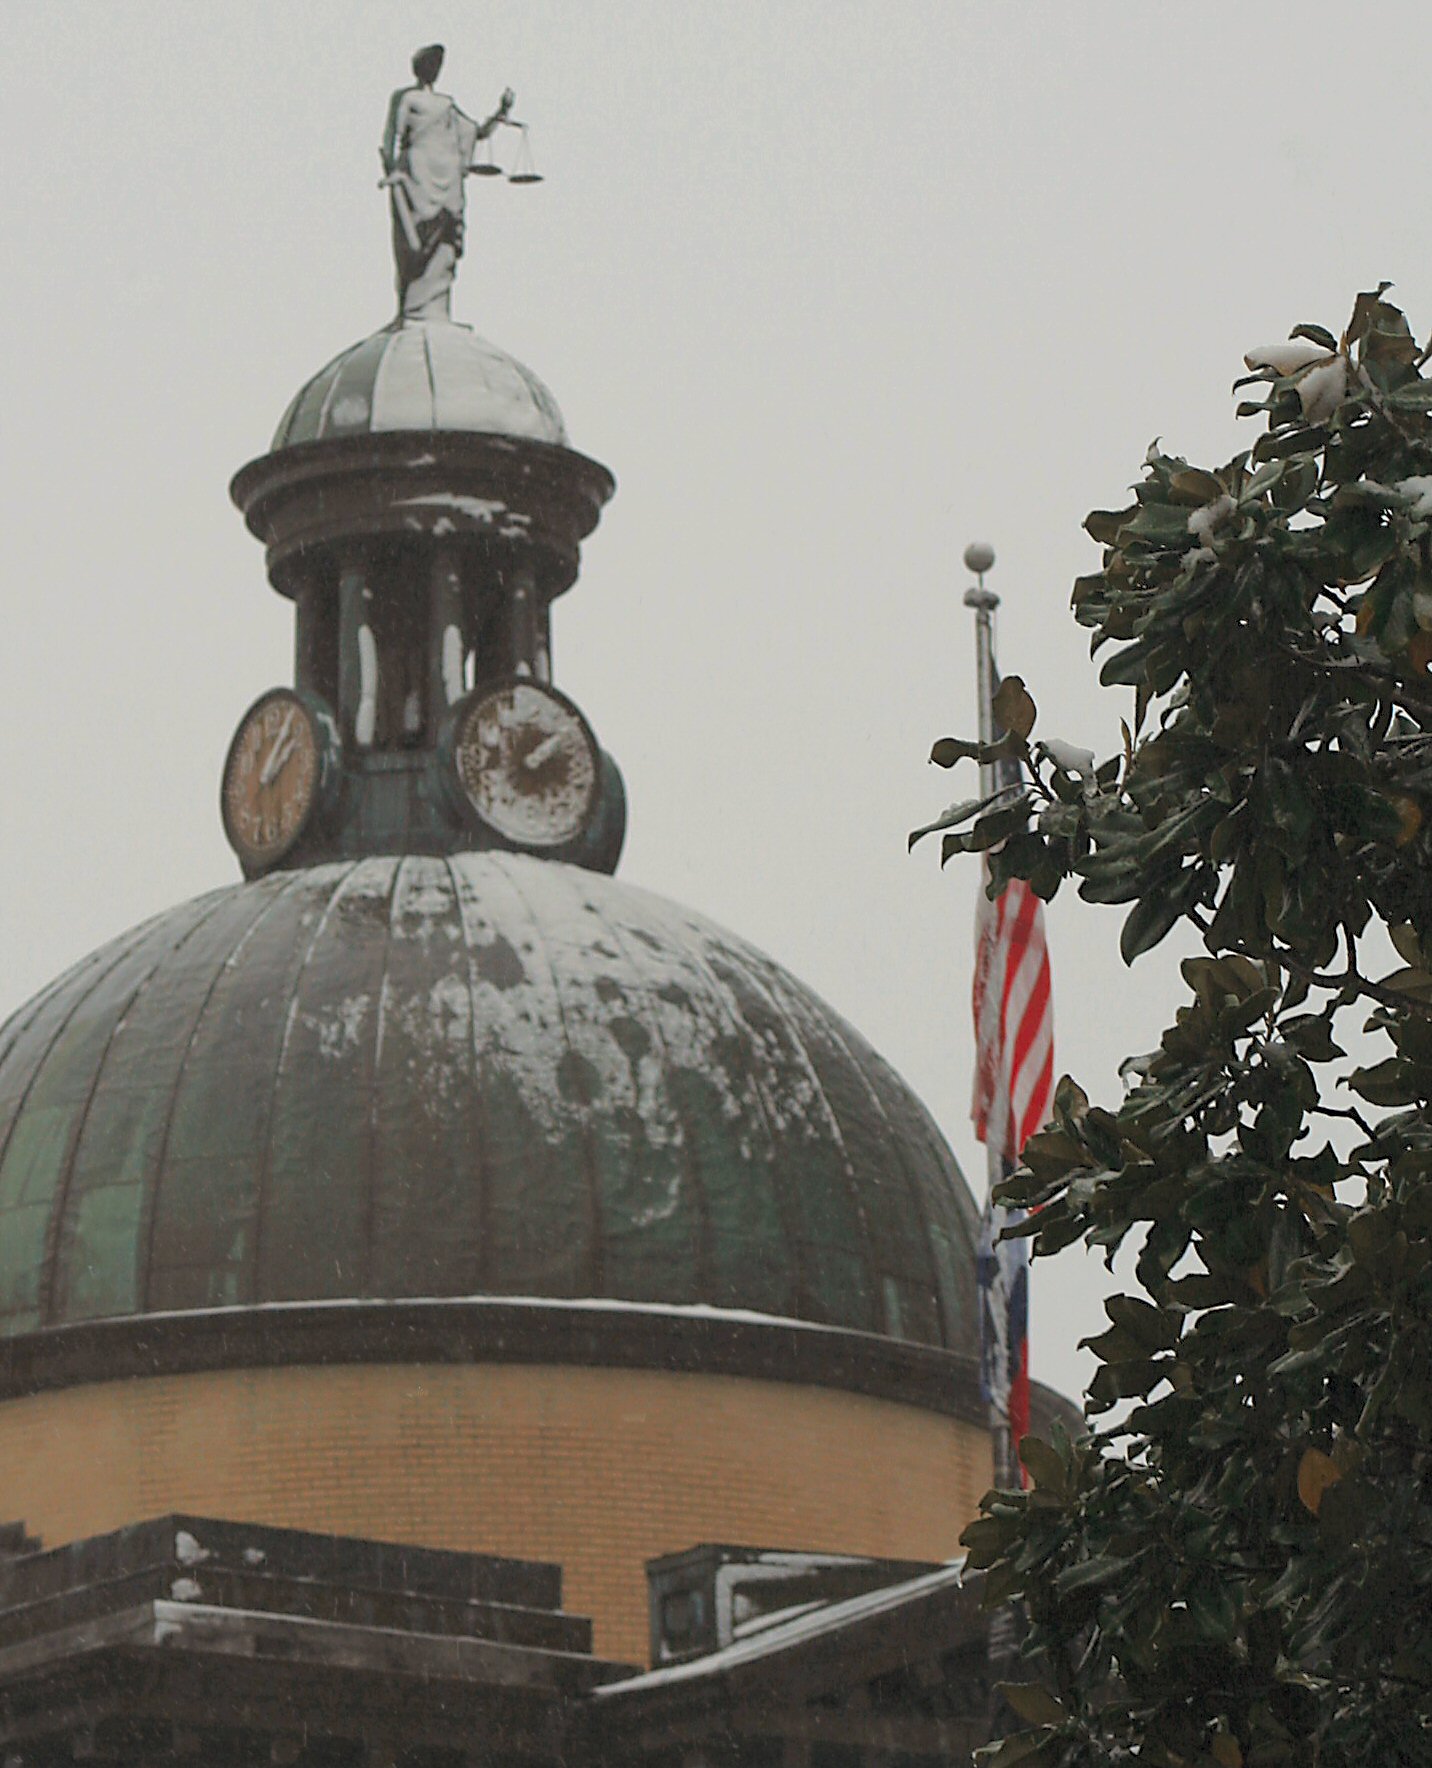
(833, 288)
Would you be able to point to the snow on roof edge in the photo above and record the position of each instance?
(829, 1618)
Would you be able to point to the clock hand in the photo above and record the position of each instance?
(543, 752)
(269, 771)
(281, 760)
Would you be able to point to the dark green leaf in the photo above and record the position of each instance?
(949, 819)
(1317, 334)
(1013, 707)
(1102, 1569)
(1104, 525)
(1413, 396)
(1045, 1466)
(1033, 1702)
(1393, 1082)
(948, 750)
(1149, 920)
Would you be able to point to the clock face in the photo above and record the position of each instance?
(271, 778)
(527, 763)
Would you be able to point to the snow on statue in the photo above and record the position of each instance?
(427, 152)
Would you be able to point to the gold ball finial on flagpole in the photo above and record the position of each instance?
(979, 558)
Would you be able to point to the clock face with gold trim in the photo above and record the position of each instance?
(272, 778)
(527, 763)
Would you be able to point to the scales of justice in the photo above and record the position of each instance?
(429, 149)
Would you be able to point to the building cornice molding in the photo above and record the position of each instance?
(505, 1330)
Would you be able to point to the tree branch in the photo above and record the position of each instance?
(1359, 984)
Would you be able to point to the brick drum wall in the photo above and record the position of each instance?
(597, 1469)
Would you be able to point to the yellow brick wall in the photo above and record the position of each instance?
(596, 1469)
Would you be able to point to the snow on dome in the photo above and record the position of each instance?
(453, 1078)
(427, 375)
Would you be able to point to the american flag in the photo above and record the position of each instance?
(1014, 1083)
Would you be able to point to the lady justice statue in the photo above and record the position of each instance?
(427, 152)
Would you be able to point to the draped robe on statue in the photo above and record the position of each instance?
(427, 148)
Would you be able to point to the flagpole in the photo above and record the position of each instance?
(1002, 1635)
(979, 558)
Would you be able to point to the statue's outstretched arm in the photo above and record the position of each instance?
(504, 105)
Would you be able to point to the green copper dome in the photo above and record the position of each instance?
(422, 375)
(476, 1076)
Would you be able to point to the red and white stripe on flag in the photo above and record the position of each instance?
(1014, 1085)
(1014, 1021)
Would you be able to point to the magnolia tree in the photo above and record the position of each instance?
(1234, 1565)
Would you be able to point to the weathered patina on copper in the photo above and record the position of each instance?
(442, 378)
(483, 1075)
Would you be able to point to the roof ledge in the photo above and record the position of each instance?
(594, 1333)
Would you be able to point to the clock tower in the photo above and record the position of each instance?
(422, 511)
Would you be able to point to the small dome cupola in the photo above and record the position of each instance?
(416, 376)
(422, 510)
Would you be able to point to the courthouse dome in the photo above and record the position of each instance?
(422, 375)
(484, 1075)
